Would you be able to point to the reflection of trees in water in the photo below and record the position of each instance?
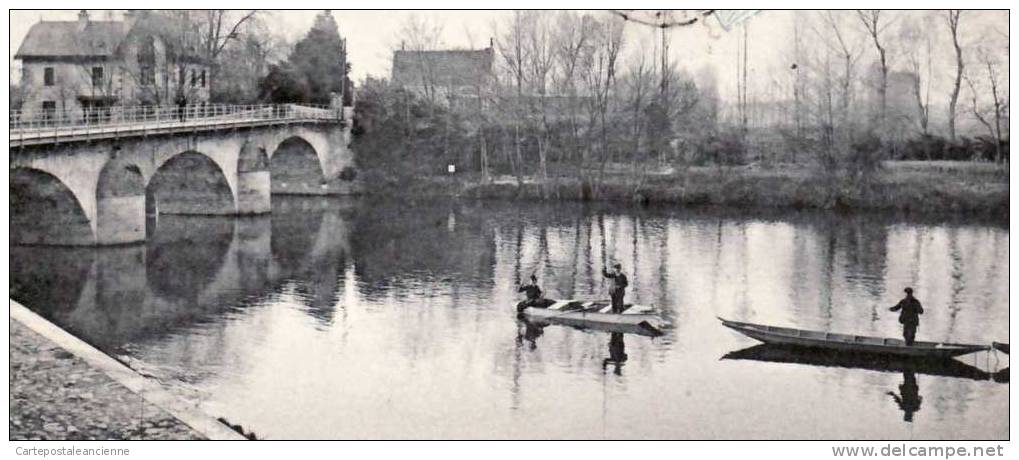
(401, 246)
(957, 284)
(310, 247)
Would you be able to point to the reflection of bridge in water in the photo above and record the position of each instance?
(192, 268)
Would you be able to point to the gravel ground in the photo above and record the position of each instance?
(56, 395)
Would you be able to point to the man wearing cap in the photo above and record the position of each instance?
(618, 289)
(909, 316)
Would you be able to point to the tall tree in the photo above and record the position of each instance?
(873, 24)
(420, 36)
(952, 18)
(989, 115)
(916, 40)
(321, 59)
(513, 50)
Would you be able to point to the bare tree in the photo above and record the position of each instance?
(917, 42)
(540, 63)
(847, 51)
(420, 36)
(513, 50)
(874, 25)
(952, 17)
(217, 28)
(637, 84)
(571, 39)
(835, 88)
(600, 78)
(989, 115)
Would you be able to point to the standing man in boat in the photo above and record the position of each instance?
(618, 289)
(909, 316)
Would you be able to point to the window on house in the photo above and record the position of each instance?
(147, 75)
(47, 76)
(97, 76)
(203, 79)
(49, 108)
(147, 62)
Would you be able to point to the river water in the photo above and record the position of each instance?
(336, 318)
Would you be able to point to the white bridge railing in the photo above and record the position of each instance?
(39, 125)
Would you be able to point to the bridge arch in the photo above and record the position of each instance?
(190, 183)
(296, 167)
(45, 211)
(120, 204)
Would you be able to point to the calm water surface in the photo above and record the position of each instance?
(352, 319)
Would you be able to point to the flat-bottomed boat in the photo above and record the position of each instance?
(597, 314)
(850, 343)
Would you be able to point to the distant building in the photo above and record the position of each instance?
(445, 75)
(84, 67)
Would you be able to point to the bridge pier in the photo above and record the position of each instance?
(254, 186)
(120, 204)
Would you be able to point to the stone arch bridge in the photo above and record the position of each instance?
(100, 188)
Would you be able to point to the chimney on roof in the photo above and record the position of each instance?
(82, 19)
(403, 45)
(491, 43)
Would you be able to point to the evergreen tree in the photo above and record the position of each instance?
(320, 59)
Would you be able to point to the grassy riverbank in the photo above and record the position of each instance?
(914, 187)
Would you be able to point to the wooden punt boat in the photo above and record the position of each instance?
(850, 343)
(1002, 347)
(597, 314)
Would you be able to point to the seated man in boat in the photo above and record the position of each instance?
(910, 311)
(618, 289)
(534, 296)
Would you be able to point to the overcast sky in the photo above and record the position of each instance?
(372, 36)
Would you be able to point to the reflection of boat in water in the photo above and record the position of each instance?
(850, 343)
(597, 315)
(869, 361)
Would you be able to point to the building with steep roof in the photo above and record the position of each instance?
(82, 68)
(445, 75)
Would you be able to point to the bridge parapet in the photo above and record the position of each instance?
(117, 122)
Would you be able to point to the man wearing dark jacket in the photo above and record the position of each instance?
(910, 311)
(618, 289)
(533, 293)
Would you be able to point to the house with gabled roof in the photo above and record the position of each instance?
(82, 68)
(445, 75)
